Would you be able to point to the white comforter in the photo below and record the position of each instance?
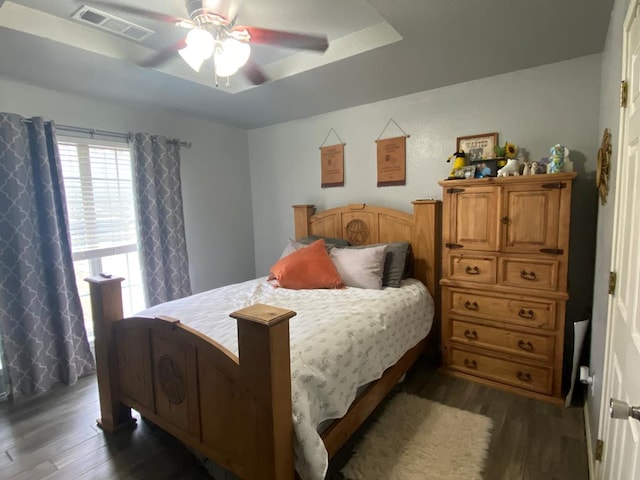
(340, 340)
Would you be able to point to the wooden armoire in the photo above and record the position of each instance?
(504, 281)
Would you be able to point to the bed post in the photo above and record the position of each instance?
(426, 243)
(106, 308)
(427, 217)
(302, 219)
(263, 347)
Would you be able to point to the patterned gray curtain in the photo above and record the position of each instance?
(165, 264)
(41, 322)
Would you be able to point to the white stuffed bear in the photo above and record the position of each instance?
(511, 168)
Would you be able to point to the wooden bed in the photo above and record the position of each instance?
(237, 410)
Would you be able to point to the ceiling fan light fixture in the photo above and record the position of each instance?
(239, 51)
(224, 64)
(200, 45)
(192, 58)
(202, 41)
(229, 56)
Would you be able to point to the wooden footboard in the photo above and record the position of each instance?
(235, 410)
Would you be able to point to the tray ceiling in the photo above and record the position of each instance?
(378, 49)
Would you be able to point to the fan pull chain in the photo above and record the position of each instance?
(217, 79)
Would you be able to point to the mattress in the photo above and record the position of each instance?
(340, 339)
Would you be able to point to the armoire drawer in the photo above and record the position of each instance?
(536, 347)
(509, 309)
(536, 379)
(528, 273)
(472, 268)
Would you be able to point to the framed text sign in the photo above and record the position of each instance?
(478, 147)
(392, 161)
(332, 165)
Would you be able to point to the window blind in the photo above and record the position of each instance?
(99, 190)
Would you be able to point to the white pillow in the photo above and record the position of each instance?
(291, 247)
(360, 267)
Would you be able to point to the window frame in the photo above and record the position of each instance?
(95, 256)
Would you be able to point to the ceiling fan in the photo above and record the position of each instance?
(213, 33)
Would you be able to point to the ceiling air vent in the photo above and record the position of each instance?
(112, 24)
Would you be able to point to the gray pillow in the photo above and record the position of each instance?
(330, 241)
(395, 263)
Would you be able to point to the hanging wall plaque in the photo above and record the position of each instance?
(332, 165)
(392, 161)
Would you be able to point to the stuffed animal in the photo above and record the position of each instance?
(530, 168)
(556, 159)
(511, 168)
(458, 162)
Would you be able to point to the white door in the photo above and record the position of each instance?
(621, 455)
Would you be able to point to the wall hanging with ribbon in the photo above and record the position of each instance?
(332, 163)
(392, 158)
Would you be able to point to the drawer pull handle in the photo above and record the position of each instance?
(524, 377)
(471, 305)
(528, 275)
(505, 220)
(528, 314)
(470, 364)
(472, 270)
(526, 346)
(471, 334)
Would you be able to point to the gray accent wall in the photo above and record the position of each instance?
(214, 171)
(609, 118)
(534, 108)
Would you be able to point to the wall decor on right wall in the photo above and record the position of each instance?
(602, 170)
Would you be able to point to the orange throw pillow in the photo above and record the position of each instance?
(309, 267)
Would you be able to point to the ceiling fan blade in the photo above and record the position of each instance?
(286, 39)
(254, 73)
(140, 12)
(163, 55)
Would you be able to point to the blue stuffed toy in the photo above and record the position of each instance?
(556, 159)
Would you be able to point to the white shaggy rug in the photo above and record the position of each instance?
(415, 438)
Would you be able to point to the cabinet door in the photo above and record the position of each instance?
(472, 218)
(530, 218)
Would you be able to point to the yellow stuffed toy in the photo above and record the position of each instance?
(458, 162)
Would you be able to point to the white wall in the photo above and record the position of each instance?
(215, 173)
(609, 118)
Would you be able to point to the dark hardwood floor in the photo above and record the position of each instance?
(55, 436)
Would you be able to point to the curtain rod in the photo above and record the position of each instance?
(91, 132)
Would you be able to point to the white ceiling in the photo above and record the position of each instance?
(378, 49)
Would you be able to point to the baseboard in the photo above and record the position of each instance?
(587, 431)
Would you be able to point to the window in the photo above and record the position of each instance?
(98, 185)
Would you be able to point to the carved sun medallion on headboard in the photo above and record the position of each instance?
(171, 379)
(357, 232)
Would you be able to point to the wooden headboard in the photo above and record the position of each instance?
(363, 224)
